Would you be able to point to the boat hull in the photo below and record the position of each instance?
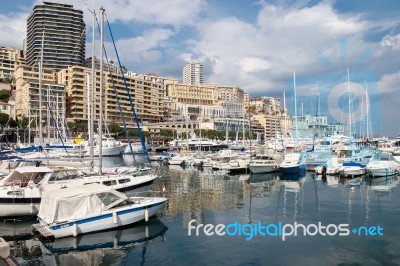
(22, 208)
(110, 151)
(105, 221)
(386, 171)
(258, 169)
(293, 169)
(353, 171)
(14, 206)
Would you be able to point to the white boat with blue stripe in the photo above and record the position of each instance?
(91, 208)
(293, 163)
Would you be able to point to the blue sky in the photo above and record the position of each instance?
(256, 45)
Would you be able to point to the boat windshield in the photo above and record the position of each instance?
(345, 153)
(108, 198)
(62, 176)
(324, 143)
(111, 200)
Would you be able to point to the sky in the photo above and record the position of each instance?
(343, 51)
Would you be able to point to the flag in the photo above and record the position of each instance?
(307, 90)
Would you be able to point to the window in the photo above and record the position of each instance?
(91, 183)
(110, 183)
(123, 181)
(107, 198)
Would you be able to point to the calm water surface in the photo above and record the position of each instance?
(218, 198)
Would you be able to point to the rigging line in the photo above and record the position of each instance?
(130, 98)
(118, 102)
(55, 125)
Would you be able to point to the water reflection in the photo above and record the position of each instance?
(107, 247)
(192, 192)
(217, 197)
(383, 185)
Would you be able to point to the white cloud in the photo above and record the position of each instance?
(282, 40)
(391, 41)
(177, 12)
(160, 12)
(13, 29)
(389, 91)
(145, 48)
(389, 83)
(250, 64)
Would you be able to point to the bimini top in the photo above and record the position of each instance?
(78, 202)
(29, 172)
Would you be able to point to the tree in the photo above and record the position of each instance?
(6, 120)
(77, 126)
(23, 122)
(115, 128)
(251, 109)
(167, 133)
(134, 132)
(4, 95)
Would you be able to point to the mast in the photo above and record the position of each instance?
(348, 91)
(227, 131)
(63, 117)
(244, 117)
(367, 107)
(295, 104)
(48, 116)
(284, 112)
(361, 130)
(91, 104)
(319, 103)
(101, 92)
(40, 93)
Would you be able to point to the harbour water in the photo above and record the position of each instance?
(217, 198)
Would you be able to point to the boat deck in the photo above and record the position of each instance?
(44, 231)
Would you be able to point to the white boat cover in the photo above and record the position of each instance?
(26, 171)
(77, 202)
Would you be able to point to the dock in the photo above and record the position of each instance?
(5, 256)
(43, 230)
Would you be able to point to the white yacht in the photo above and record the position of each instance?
(21, 190)
(91, 208)
(264, 164)
(383, 164)
(293, 163)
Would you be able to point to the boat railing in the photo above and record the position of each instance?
(149, 193)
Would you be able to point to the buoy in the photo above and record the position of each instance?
(146, 215)
(115, 218)
(32, 207)
(74, 230)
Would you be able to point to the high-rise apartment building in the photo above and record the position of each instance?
(27, 97)
(63, 30)
(193, 74)
(10, 58)
(146, 93)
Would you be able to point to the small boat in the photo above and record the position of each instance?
(21, 190)
(352, 169)
(383, 164)
(233, 166)
(293, 163)
(331, 167)
(91, 208)
(264, 164)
